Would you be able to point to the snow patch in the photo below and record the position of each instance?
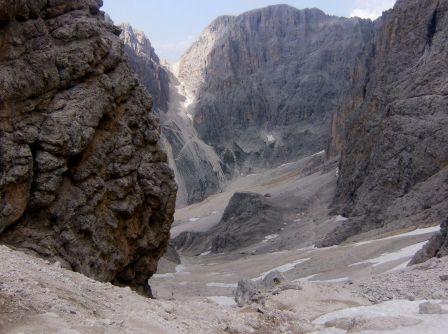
(419, 231)
(309, 279)
(205, 253)
(335, 280)
(430, 323)
(402, 254)
(305, 279)
(222, 300)
(222, 285)
(180, 268)
(167, 275)
(318, 153)
(270, 138)
(340, 218)
(270, 237)
(283, 268)
(193, 219)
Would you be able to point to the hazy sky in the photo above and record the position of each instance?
(172, 25)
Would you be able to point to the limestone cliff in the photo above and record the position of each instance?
(394, 165)
(265, 84)
(146, 64)
(82, 177)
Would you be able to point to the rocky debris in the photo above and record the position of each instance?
(197, 168)
(419, 282)
(360, 323)
(273, 279)
(437, 246)
(247, 219)
(82, 178)
(248, 292)
(394, 164)
(37, 297)
(430, 308)
(266, 83)
(443, 278)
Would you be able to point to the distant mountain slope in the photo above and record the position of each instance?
(196, 166)
(266, 83)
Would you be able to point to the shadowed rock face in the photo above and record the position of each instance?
(266, 83)
(196, 166)
(82, 177)
(394, 165)
(146, 64)
(437, 246)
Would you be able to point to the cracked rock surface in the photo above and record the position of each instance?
(394, 164)
(82, 177)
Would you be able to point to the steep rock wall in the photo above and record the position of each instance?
(271, 79)
(394, 165)
(82, 177)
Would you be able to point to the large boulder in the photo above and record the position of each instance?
(82, 177)
(437, 246)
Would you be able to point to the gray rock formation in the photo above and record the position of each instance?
(248, 292)
(82, 177)
(197, 167)
(255, 291)
(430, 308)
(266, 83)
(437, 246)
(146, 64)
(247, 219)
(394, 165)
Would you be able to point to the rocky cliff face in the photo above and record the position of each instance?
(394, 166)
(82, 177)
(146, 64)
(197, 167)
(266, 83)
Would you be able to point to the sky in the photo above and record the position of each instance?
(173, 25)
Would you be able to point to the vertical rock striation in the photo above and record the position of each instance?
(82, 177)
(394, 165)
(266, 83)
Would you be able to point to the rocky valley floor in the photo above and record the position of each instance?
(362, 285)
(39, 297)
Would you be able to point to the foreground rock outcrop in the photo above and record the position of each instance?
(266, 83)
(82, 177)
(394, 165)
(196, 166)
